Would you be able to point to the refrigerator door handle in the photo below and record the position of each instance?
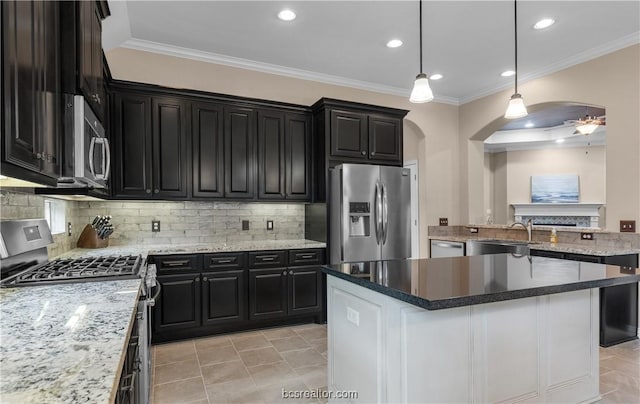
(385, 214)
(377, 200)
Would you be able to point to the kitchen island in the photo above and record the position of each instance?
(493, 328)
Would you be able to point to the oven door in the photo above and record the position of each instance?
(92, 152)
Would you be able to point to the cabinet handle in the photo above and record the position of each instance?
(306, 256)
(198, 279)
(290, 272)
(204, 279)
(176, 263)
(223, 262)
(364, 153)
(265, 258)
(156, 190)
(373, 153)
(148, 191)
(284, 273)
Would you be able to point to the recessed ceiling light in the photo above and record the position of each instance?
(436, 76)
(559, 140)
(287, 15)
(528, 125)
(394, 43)
(544, 23)
(508, 73)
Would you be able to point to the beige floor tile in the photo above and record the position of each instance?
(223, 372)
(273, 373)
(176, 371)
(304, 358)
(286, 392)
(628, 368)
(315, 377)
(289, 343)
(212, 342)
(319, 345)
(235, 391)
(282, 332)
(311, 334)
(262, 356)
(217, 355)
(175, 352)
(183, 391)
(246, 342)
(619, 397)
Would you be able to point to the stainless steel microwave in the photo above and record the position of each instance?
(87, 157)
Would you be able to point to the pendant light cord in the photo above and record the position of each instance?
(421, 37)
(515, 25)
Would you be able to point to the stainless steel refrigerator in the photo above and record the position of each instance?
(369, 213)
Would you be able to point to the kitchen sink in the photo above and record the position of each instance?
(483, 247)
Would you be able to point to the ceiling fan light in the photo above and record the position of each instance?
(516, 108)
(421, 90)
(587, 128)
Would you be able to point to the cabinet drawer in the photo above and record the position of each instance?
(267, 259)
(224, 261)
(306, 257)
(177, 263)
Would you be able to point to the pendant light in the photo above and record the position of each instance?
(516, 108)
(421, 91)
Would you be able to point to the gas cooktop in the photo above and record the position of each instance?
(76, 270)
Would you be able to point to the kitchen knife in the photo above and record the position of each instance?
(95, 221)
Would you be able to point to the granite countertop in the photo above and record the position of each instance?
(64, 343)
(441, 283)
(144, 250)
(560, 247)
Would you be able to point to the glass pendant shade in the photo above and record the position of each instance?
(516, 108)
(587, 128)
(421, 90)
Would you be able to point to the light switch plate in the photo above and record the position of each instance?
(245, 225)
(269, 224)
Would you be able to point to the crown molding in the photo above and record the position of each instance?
(209, 57)
(620, 43)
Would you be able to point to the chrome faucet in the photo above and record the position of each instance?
(528, 227)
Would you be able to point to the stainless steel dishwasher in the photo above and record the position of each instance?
(441, 248)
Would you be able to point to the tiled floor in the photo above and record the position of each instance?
(254, 367)
(249, 367)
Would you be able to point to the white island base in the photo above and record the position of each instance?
(536, 349)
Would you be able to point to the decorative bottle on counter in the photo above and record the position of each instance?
(554, 236)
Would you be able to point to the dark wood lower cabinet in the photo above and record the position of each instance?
(179, 304)
(224, 297)
(267, 293)
(204, 294)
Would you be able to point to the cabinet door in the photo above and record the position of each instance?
(224, 297)
(169, 148)
(24, 92)
(267, 293)
(348, 134)
(305, 290)
(240, 153)
(132, 138)
(271, 160)
(90, 55)
(385, 139)
(208, 150)
(179, 304)
(297, 131)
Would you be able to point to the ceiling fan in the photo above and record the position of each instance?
(587, 124)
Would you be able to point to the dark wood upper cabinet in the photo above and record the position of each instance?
(170, 152)
(131, 133)
(240, 152)
(31, 93)
(207, 125)
(89, 48)
(349, 136)
(385, 141)
(271, 155)
(298, 156)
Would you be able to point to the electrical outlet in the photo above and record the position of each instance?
(473, 229)
(68, 228)
(586, 236)
(245, 225)
(155, 226)
(353, 316)
(627, 226)
(269, 224)
(444, 221)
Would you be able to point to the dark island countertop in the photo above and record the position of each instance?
(442, 283)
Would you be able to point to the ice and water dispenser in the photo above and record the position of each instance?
(359, 219)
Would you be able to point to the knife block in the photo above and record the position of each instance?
(89, 239)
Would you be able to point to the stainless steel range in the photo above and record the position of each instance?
(24, 262)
